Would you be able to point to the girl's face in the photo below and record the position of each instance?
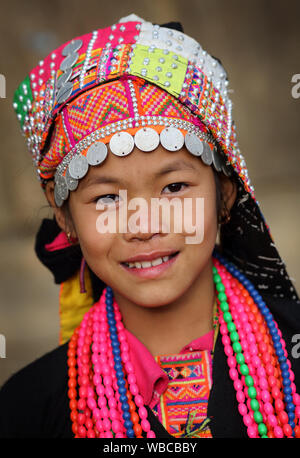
(157, 174)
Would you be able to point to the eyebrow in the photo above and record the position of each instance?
(180, 164)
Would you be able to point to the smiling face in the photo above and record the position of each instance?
(146, 175)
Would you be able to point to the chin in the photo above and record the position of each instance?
(154, 296)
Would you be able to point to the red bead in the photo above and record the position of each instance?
(73, 404)
(72, 372)
(283, 417)
(287, 430)
(81, 404)
(73, 415)
(71, 362)
(297, 432)
(279, 405)
(89, 423)
(72, 382)
(81, 418)
(90, 434)
(137, 430)
(83, 392)
(135, 417)
(72, 393)
(71, 353)
(132, 406)
(74, 428)
(81, 431)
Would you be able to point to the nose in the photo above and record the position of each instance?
(142, 237)
(143, 225)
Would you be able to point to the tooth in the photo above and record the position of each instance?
(157, 261)
(145, 264)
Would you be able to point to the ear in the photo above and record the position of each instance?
(60, 213)
(228, 190)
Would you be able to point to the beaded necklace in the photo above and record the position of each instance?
(108, 403)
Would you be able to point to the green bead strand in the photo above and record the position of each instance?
(227, 317)
(224, 306)
(240, 358)
(234, 337)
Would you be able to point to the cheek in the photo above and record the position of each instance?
(203, 216)
(94, 245)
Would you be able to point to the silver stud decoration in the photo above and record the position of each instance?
(186, 47)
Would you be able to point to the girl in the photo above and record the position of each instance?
(162, 334)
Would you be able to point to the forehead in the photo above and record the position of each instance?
(137, 164)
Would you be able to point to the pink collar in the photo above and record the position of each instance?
(151, 379)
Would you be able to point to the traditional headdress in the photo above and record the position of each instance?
(138, 84)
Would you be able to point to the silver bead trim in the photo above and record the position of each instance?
(87, 58)
(102, 62)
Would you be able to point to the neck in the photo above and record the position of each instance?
(166, 329)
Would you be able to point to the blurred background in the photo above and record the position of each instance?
(258, 44)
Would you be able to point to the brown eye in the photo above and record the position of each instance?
(175, 187)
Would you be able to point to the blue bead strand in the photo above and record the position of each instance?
(117, 362)
(287, 390)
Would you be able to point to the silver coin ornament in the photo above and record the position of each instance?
(207, 154)
(72, 183)
(193, 144)
(78, 167)
(226, 169)
(96, 153)
(146, 139)
(71, 47)
(64, 92)
(62, 187)
(58, 200)
(64, 78)
(69, 61)
(172, 139)
(217, 160)
(121, 144)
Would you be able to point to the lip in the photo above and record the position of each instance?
(154, 271)
(150, 256)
